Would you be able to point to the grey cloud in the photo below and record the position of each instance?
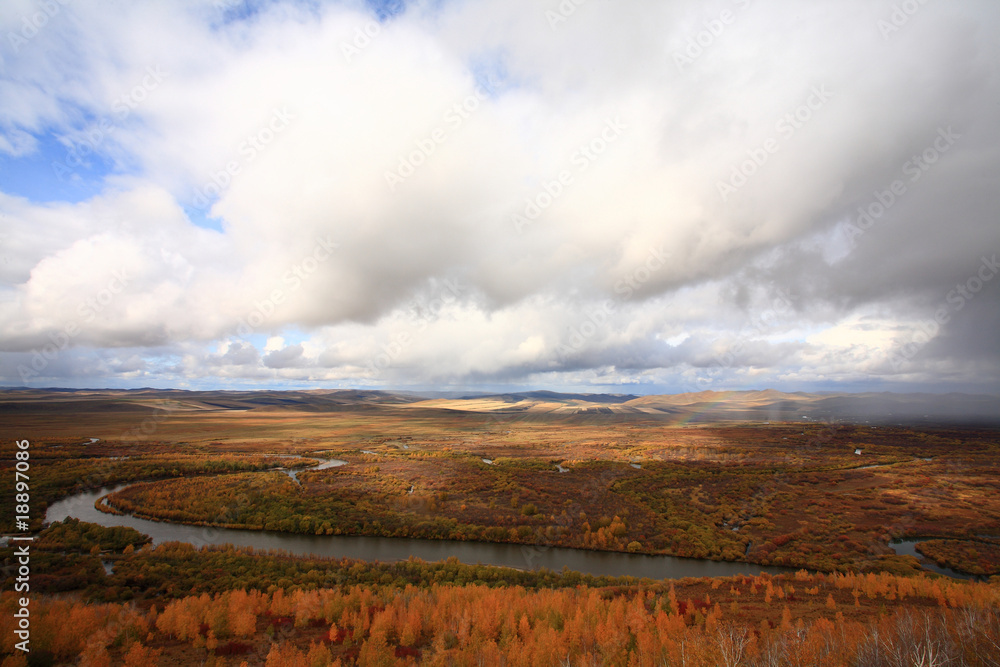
(284, 358)
(791, 228)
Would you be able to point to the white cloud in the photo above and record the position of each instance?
(296, 139)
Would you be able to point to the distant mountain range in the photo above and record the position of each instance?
(702, 407)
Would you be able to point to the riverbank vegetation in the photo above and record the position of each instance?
(786, 620)
(979, 557)
(826, 498)
(60, 467)
(177, 605)
(821, 496)
(789, 495)
(75, 535)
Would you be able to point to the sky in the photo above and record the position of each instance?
(581, 195)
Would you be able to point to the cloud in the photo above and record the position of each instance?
(676, 167)
(284, 358)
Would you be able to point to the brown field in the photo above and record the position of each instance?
(827, 497)
(792, 494)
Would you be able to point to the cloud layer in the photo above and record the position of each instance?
(668, 196)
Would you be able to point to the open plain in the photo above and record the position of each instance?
(763, 478)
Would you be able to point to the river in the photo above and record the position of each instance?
(387, 549)
(323, 465)
(909, 548)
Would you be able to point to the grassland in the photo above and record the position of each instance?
(628, 475)
(828, 497)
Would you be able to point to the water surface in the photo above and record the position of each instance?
(387, 549)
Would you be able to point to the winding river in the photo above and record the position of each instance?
(909, 548)
(323, 465)
(388, 549)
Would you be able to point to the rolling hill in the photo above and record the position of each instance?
(702, 407)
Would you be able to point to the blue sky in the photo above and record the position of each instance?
(44, 174)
